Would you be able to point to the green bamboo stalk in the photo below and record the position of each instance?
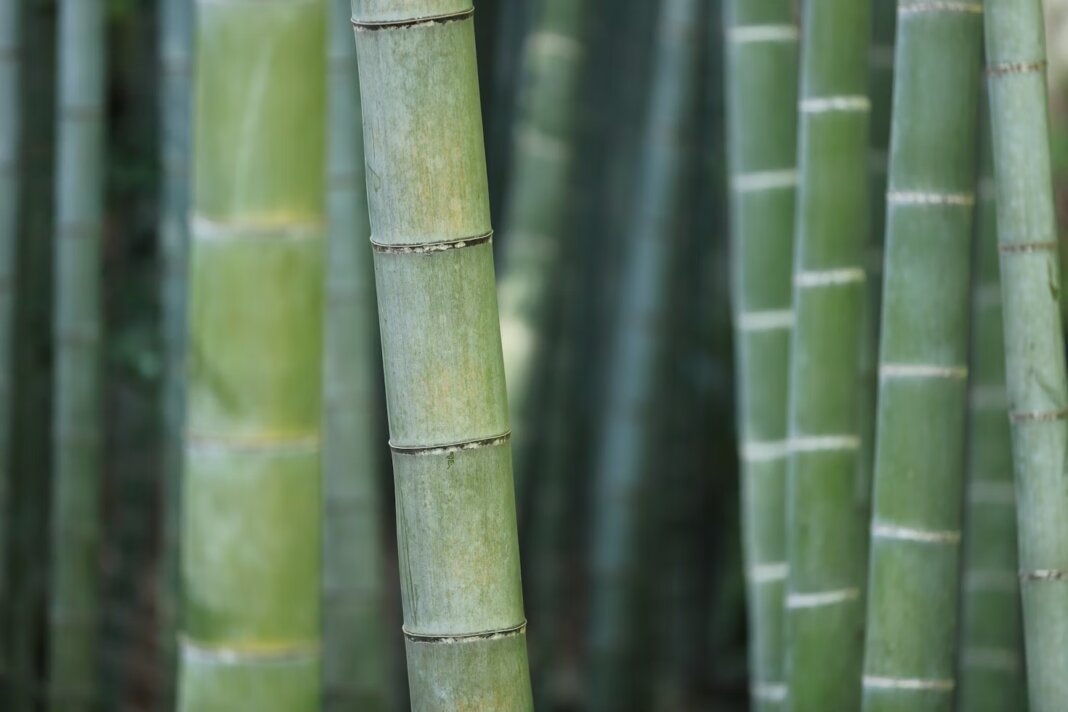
(10, 134)
(175, 117)
(825, 530)
(914, 570)
(627, 446)
(537, 212)
(76, 425)
(991, 639)
(448, 412)
(355, 663)
(251, 495)
(762, 136)
(1034, 341)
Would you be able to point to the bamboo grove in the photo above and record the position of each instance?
(564, 355)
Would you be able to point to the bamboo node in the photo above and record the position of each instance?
(1007, 248)
(763, 33)
(822, 598)
(430, 247)
(1043, 575)
(895, 197)
(914, 8)
(768, 691)
(1038, 416)
(1003, 68)
(452, 639)
(373, 26)
(765, 180)
(918, 684)
(826, 104)
(922, 370)
(920, 536)
(766, 320)
(765, 451)
(275, 654)
(451, 448)
(824, 443)
(829, 278)
(768, 573)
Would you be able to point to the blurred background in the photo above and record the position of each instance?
(640, 166)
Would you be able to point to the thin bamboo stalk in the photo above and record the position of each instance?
(910, 651)
(626, 447)
(251, 540)
(175, 116)
(990, 667)
(825, 531)
(355, 662)
(76, 425)
(1034, 339)
(762, 136)
(448, 413)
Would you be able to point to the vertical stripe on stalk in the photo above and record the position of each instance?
(1034, 340)
(825, 530)
(762, 56)
(448, 412)
(251, 495)
(76, 424)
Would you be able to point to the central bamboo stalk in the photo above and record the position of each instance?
(441, 346)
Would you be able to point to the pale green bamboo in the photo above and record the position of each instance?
(175, 117)
(910, 651)
(355, 646)
(991, 641)
(76, 424)
(448, 413)
(1034, 339)
(10, 133)
(825, 528)
(251, 498)
(762, 142)
(627, 454)
(537, 210)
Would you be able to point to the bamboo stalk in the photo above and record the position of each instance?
(991, 666)
(175, 116)
(251, 539)
(355, 664)
(1034, 340)
(825, 531)
(762, 136)
(538, 208)
(627, 445)
(76, 425)
(910, 650)
(445, 391)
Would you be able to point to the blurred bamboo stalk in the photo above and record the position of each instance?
(762, 57)
(991, 665)
(914, 568)
(448, 413)
(1034, 337)
(251, 542)
(627, 448)
(175, 120)
(825, 529)
(356, 657)
(77, 431)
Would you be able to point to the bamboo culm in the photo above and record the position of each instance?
(990, 664)
(1034, 339)
(441, 346)
(355, 659)
(10, 190)
(76, 425)
(175, 116)
(825, 527)
(762, 55)
(538, 208)
(252, 454)
(627, 442)
(913, 584)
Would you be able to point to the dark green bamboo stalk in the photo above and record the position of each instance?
(991, 653)
(910, 653)
(10, 133)
(538, 207)
(355, 650)
(175, 117)
(448, 413)
(627, 448)
(1034, 340)
(762, 135)
(825, 530)
(251, 499)
(76, 426)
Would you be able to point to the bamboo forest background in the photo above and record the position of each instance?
(617, 411)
